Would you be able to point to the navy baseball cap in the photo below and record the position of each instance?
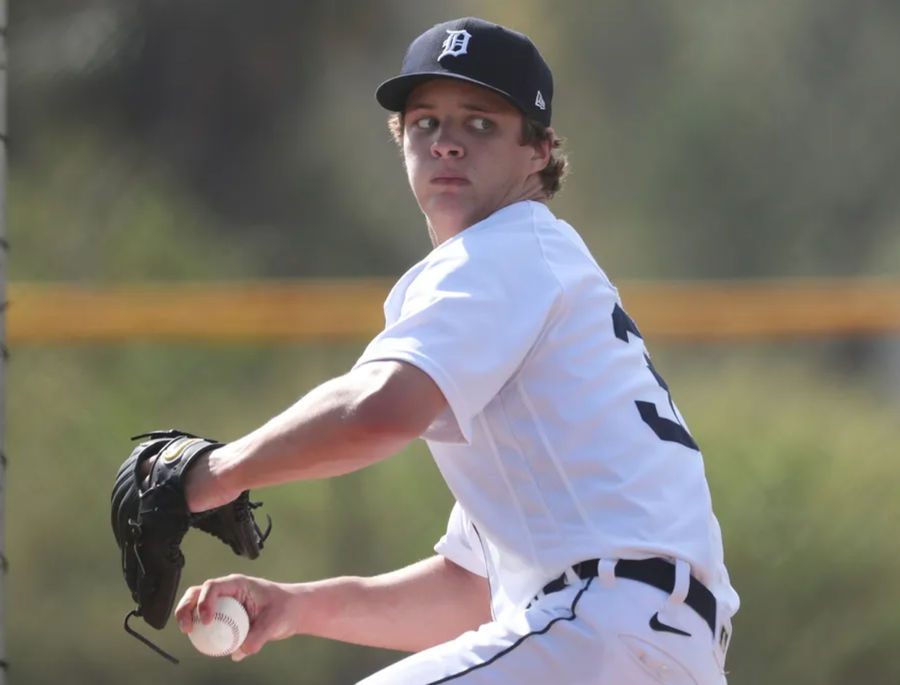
(477, 51)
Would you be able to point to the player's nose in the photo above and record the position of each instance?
(445, 145)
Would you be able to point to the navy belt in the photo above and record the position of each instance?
(656, 572)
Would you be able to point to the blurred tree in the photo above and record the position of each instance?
(225, 96)
(707, 140)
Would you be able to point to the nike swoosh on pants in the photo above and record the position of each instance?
(659, 626)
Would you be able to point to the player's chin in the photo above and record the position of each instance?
(449, 197)
(454, 203)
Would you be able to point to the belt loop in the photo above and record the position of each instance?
(606, 571)
(682, 582)
(572, 578)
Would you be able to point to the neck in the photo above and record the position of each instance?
(433, 234)
(442, 227)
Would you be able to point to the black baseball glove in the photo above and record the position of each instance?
(150, 517)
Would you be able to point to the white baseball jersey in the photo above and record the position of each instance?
(560, 442)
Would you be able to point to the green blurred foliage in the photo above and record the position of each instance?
(706, 139)
(800, 464)
(801, 468)
(65, 590)
(164, 139)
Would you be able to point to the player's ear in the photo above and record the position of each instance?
(542, 150)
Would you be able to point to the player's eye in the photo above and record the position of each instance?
(481, 124)
(425, 123)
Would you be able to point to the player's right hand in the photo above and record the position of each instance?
(273, 608)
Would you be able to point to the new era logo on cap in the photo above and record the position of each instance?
(479, 52)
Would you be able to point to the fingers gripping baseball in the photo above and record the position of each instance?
(270, 607)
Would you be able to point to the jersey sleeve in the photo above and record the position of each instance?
(468, 320)
(458, 544)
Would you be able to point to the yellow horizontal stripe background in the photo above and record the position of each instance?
(306, 310)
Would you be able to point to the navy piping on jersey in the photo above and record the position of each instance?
(520, 640)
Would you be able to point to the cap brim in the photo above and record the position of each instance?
(393, 93)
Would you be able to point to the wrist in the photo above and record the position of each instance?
(316, 607)
(213, 481)
(306, 610)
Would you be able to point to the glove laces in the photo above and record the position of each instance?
(131, 631)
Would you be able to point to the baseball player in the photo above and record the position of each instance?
(582, 547)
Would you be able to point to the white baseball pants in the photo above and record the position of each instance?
(593, 632)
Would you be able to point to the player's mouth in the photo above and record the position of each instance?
(449, 179)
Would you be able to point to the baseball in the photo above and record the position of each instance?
(225, 633)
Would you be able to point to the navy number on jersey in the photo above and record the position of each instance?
(665, 429)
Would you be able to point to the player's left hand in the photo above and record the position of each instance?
(150, 517)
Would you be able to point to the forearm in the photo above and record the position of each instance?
(320, 436)
(343, 425)
(410, 609)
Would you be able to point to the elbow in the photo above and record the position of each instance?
(391, 403)
(375, 419)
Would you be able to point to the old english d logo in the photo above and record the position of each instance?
(456, 44)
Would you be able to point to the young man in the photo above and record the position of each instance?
(582, 547)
